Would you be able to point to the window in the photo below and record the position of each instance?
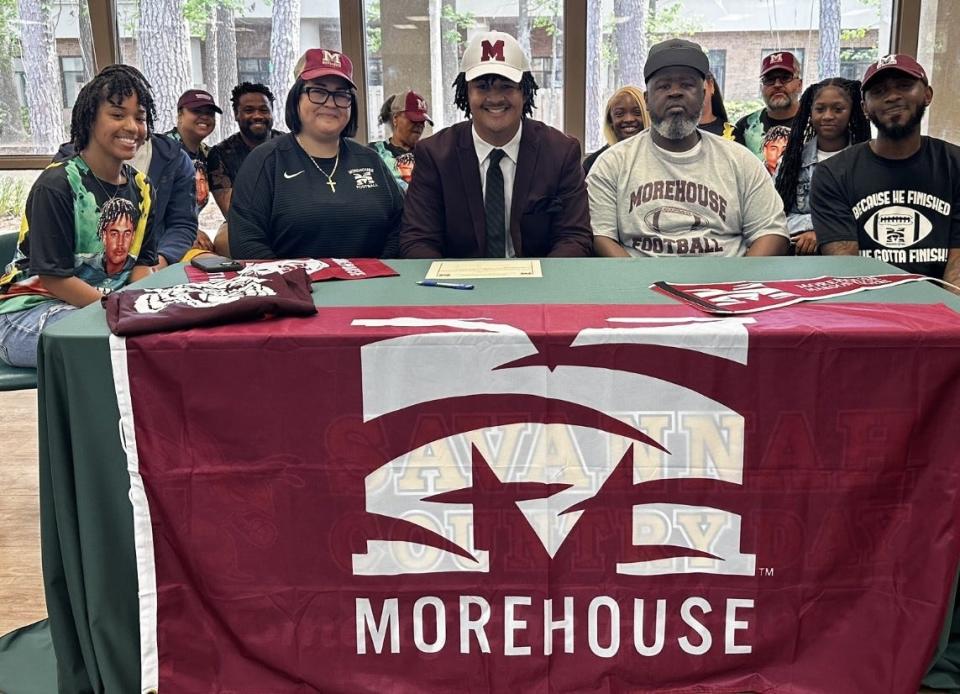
(937, 52)
(375, 72)
(718, 66)
(421, 51)
(542, 71)
(253, 70)
(855, 61)
(41, 72)
(74, 77)
(20, 82)
(175, 51)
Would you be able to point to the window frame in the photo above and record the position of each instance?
(905, 29)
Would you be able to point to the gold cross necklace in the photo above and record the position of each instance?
(329, 176)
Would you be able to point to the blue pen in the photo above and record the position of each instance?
(446, 285)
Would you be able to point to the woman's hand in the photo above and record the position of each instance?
(203, 242)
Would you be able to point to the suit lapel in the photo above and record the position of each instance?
(470, 175)
(526, 165)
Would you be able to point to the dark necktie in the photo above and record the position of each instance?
(493, 203)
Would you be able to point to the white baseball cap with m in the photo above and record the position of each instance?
(494, 53)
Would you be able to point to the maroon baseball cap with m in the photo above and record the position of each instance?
(413, 106)
(895, 61)
(320, 62)
(197, 98)
(780, 60)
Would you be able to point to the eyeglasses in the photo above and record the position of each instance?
(319, 96)
(770, 80)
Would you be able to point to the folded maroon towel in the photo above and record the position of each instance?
(139, 311)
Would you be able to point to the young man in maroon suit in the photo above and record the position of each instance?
(500, 185)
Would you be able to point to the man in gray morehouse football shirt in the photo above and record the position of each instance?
(674, 190)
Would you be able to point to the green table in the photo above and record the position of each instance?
(86, 523)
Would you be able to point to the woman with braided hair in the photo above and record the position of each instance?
(86, 224)
(830, 119)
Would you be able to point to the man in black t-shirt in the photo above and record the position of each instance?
(895, 198)
(780, 85)
(253, 109)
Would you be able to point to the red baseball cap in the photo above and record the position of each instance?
(412, 105)
(197, 98)
(894, 61)
(320, 62)
(781, 60)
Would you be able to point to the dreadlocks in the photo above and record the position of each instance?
(249, 88)
(528, 86)
(113, 84)
(858, 129)
(114, 209)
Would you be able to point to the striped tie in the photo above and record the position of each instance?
(493, 203)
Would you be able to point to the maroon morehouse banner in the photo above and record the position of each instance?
(545, 499)
(319, 269)
(749, 296)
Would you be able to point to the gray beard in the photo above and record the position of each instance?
(675, 127)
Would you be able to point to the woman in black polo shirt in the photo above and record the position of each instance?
(315, 193)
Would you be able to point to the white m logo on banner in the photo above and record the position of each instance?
(679, 434)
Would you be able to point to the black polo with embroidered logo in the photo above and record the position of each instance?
(287, 204)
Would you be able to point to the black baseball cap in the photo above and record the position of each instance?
(676, 53)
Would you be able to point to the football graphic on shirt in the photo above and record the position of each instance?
(672, 220)
(897, 227)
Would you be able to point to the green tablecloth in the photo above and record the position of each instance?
(86, 523)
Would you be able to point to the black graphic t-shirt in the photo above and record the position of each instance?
(752, 131)
(75, 225)
(199, 159)
(905, 212)
(226, 158)
(284, 207)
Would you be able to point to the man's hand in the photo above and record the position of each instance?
(806, 242)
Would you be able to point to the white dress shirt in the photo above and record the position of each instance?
(508, 166)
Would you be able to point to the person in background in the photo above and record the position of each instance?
(626, 115)
(196, 119)
(253, 110)
(714, 117)
(675, 190)
(895, 198)
(501, 184)
(830, 119)
(315, 193)
(86, 225)
(404, 115)
(780, 87)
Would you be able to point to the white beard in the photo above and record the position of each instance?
(675, 127)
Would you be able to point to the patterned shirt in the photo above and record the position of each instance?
(82, 227)
(200, 164)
